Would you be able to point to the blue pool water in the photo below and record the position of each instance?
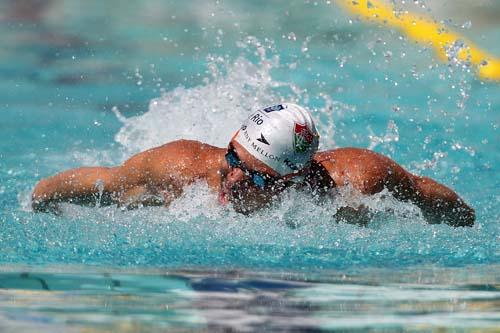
(93, 83)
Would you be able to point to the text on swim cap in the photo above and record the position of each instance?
(257, 118)
(264, 153)
(261, 151)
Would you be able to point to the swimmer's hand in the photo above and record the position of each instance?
(43, 200)
(456, 214)
(360, 216)
(40, 206)
(85, 186)
(440, 204)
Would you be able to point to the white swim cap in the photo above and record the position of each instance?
(282, 136)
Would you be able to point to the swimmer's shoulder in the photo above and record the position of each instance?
(180, 154)
(182, 147)
(348, 154)
(168, 153)
(362, 162)
(331, 157)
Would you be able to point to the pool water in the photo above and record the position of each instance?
(93, 83)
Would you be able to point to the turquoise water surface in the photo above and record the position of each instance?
(91, 83)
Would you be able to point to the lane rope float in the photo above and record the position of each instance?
(424, 30)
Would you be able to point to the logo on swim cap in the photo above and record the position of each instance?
(263, 139)
(273, 108)
(303, 138)
(282, 136)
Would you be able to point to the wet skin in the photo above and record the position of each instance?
(370, 173)
(159, 175)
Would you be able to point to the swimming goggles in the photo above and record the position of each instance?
(260, 180)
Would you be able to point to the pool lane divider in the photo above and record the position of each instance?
(426, 31)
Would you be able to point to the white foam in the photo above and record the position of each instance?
(211, 112)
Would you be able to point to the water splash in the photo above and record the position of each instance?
(99, 185)
(210, 112)
(461, 65)
(391, 135)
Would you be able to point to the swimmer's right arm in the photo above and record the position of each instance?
(136, 182)
(88, 185)
(82, 185)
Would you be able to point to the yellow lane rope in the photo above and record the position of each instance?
(424, 30)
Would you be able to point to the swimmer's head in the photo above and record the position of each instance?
(282, 136)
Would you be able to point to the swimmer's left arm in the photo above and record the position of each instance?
(441, 204)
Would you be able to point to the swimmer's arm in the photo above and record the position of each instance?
(440, 204)
(82, 186)
(86, 185)
(135, 182)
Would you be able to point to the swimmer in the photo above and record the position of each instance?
(274, 149)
